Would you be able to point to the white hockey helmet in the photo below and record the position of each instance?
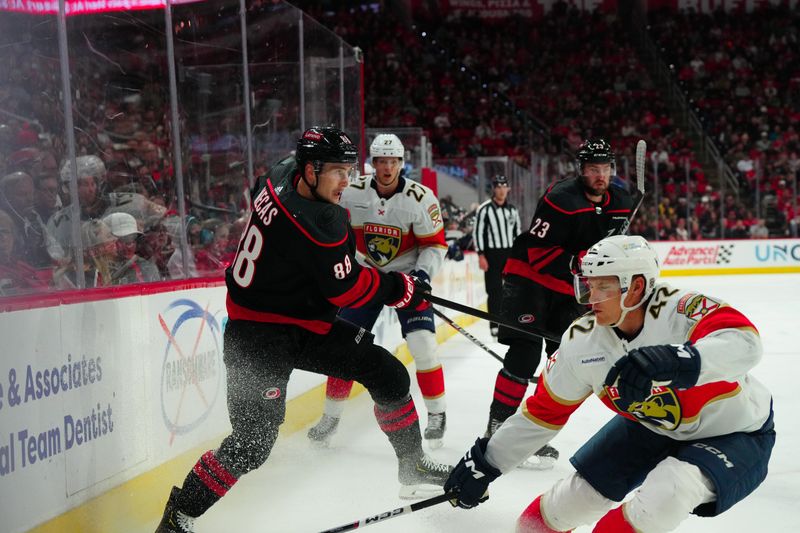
(387, 145)
(623, 257)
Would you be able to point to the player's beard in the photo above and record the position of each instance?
(598, 188)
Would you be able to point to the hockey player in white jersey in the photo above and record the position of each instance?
(694, 430)
(398, 227)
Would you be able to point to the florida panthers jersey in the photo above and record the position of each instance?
(401, 233)
(726, 399)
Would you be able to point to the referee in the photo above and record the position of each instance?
(496, 225)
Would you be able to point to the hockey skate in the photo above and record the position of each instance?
(320, 435)
(544, 459)
(434, 433)
(173, 520)
(492, 427)
(421, 477)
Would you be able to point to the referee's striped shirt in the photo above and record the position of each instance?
(495, 226)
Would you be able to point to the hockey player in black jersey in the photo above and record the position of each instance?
(294, 268)
(570, 217)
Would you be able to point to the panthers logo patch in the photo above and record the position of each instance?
(661, 408)
(383, 242)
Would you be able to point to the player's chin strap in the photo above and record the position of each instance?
(625, 309)
(313, 188)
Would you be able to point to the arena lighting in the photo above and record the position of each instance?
(85, 7)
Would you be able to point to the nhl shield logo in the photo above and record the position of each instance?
(383, 242)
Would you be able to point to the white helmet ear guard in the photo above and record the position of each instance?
(387, 145)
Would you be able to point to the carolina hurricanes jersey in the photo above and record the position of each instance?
(295, 262)
(725, 400)
(401, 233)
(565, 224)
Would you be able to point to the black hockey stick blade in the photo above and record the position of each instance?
(368, 521)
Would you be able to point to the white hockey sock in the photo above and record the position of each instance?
(334, 408)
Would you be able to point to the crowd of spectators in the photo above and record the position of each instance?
(578, 73)
(741, 75)
(127, 204)
(471, 88)
(474, 90)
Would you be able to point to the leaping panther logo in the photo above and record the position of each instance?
(662, 408)
(383, 242)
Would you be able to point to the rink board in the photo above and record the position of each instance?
(105, 404)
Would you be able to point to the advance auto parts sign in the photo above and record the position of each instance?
(749, 256)
(192, 368)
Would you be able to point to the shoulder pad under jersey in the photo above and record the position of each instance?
(324, 223)
(321, 222)
(567, 195)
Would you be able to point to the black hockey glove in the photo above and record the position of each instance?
(411, 297)
(676, 365)
(470, 479)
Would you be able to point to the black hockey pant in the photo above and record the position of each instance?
(259, 359)
(526, 303)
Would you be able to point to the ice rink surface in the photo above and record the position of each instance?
(301, 489)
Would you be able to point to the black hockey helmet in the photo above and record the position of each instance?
(499, 179)
(325, 145)
(595, 150)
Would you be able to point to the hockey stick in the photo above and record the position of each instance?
(393, 513)
(534, 379)
(467, 334)
(486, 316)
(641, 153)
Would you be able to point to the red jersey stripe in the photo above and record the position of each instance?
(436, 239)
(723, 318)
(606, 201)
(237, 312)
(548, 410)
(522, 269)
(371, 291)
(362, 286)
(291, 218)
(537, 254)
(695, 399)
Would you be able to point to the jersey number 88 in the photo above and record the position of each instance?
(244, 266)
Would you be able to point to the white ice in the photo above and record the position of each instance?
(300, 489)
